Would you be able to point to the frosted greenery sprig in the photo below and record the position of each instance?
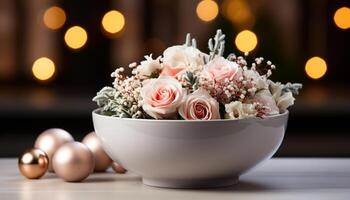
(292, 87)
(190, 42)
(218, 48)
(104, 96)
(192, 80)
(105, 99)
(110, 105)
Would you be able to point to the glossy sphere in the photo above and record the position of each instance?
(50, 140)
(73, 162)
(33, 163)
(102, 160)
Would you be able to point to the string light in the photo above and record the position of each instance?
(316, 67)
(54, 17)
(342, 18)
(75, 37)
(207, 10)
(43, 68)
(246, 41)
(113, 21)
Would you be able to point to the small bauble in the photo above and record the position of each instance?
(73, 162)
(118, 168)
(102, 160)
(33, 163)
(50, 140)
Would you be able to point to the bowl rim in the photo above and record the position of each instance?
(280, 115)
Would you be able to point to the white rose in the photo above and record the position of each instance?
(182, 56)
(284, 101)
(161, 97)
(149, 66)
(275, 89)
(259, 81)
(199, 106)
(239, 110)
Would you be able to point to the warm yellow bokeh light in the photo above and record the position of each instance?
(75, 37)
(43, 68)
(315, 67)
(239, 13)
(54, 17)
(113, 21)
(342, 18)
(246, 41)
(207, 10)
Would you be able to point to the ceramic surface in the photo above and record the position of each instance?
(190, 154)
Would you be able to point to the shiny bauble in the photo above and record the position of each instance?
(33, 163)
(118, 168)
(73, 162)
(102, 160)
(50, 140)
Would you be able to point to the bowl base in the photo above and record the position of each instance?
(209, 183)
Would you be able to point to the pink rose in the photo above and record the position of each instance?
(172, 71)
(219, 69)
(161, 97)
(199, 106)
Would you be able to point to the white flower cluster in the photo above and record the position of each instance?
(185, 83)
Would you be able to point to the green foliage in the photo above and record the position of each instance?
(108, 100)
(218, 48)
(192, 80)
(292, 87)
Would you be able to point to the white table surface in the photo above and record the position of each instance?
(311, 179)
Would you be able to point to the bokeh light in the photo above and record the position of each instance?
(43, 68)
(342, 18)
(207, 10)
(316, 67)
(113, 21)
(246, 41)
(75, 37)
(239, 13)
(54, 17)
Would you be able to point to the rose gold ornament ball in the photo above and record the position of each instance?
(118, 168)
(73, 162)
(33, 163)
(102, 160)
(50, 140)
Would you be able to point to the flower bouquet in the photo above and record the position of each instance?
(188, 84)
(188, 119)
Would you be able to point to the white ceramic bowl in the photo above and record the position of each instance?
(190, 154)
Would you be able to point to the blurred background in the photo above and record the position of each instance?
(56, 54)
